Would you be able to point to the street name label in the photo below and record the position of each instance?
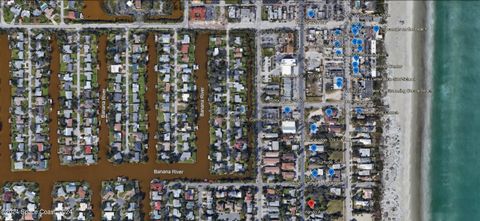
(202, 102)
(168, 171)
(104, 104)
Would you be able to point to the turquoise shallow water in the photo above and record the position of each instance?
(455, 121)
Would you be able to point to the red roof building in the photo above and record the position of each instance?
(138, 4)
(71, 15)
(184, 48)
(158, 205)
(271, 170)
(288, 166)
(197, 13)
(156, 186)
(81, 192)
(270, 161)
(88, 150)
(40, 147)
(288, 175)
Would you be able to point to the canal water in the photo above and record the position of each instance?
(104, 170)
(176, 15)
(93, 11)
(203, 107)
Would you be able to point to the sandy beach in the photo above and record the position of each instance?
(401, 179)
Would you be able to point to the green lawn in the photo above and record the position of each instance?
(336, 145)
(233, 1)
(268, 52)
(335, 206)
(7, 15)
(336, 156)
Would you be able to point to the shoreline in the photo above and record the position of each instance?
(421, 105)
(429, 48)
(402, 178)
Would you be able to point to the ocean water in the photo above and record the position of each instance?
(454, 167)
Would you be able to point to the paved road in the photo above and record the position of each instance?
(135, 25)
(259, 26)
(30, 86)
(175, 90)
(79, 124)
(258, 89)
(62, 12)
(127, 90)
(239, 184)
(348, 145)
(2, 19)
(229, 130)
(301, 101)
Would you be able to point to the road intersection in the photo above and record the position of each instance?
(298, 25)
